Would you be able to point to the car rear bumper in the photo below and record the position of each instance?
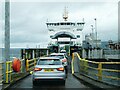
(61, 76)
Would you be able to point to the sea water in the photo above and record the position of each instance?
(14, 52)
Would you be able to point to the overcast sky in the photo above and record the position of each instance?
(28, 20)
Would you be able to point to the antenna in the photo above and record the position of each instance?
(65, 15)
(92, 28)
(96, 30)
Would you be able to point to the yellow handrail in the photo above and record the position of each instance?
(100, 69)
(30, 64)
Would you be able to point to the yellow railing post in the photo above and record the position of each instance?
(72, 56)
(85, 65)
(21, 69)
(72, 63)
(10, 71)
(6, 72)
(27, 65)
(34, 61)
(100, 71)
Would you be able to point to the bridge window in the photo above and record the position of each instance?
(61, 23)
(68, 23)
(78, 23)
(73, 24)
(51, 30)
(57, 24)
(79, 29)
(78, 36)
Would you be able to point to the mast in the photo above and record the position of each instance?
(65, 15)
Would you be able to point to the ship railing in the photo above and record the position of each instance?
(30, 64)
(105, 72)
(1, 74)
(10, 75)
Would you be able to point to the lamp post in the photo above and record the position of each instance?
(92, 36)
(7, 30)
(7, 40)
(96, 30)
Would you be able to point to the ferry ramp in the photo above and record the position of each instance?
(26, 82)
(82, 73)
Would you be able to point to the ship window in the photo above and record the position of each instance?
(78, 23)
(57, 23)
(78, 36)
(51, 36)
(51, 30)
(68, 23)
(72, 23)
(79, 29)
(62, 23)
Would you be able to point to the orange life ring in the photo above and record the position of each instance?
(16, 65)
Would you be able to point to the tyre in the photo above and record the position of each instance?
(63, 82)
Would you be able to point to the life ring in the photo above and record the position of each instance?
(16, 65)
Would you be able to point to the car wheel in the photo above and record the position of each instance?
(63, 82)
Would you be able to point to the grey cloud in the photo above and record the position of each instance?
(28, 19)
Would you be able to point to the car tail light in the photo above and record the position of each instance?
(64, 60)
(37, 69)
(60, 69)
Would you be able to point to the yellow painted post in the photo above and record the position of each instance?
(21, 69)
(85, 65)
(34, 61)
(72, 56)
(10, 71)
(27, 65)
(6, 72)
(72, 63)
(100, 71)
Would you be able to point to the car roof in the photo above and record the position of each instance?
(57, 54)
(63, 51)
(49, 58)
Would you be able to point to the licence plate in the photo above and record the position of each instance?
(48, 70)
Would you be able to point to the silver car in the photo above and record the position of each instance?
(49, 68)
(62, 57)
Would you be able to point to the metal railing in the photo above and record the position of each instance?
(1, 74)
(106, 72)
(10, 75)
(30, 64)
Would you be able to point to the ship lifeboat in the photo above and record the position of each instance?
(16, 65)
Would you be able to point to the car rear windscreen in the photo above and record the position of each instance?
(59, 56)
(49, 62)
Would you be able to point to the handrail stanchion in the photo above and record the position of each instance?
(34, 61)
(6, 72)
(72, 63)
(10, 71)
(100, 71)
(27, 65)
